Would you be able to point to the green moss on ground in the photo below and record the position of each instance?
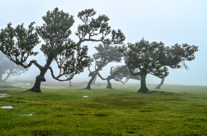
(174, 110)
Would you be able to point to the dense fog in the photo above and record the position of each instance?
(168, 21)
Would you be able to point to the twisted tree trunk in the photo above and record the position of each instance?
(91, 81)
(161, 83)
(41, 77)
(3, 80)
(143, 88)
(109, 86)
(7, 76)
(36, 88)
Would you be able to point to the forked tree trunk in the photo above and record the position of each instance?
(143, 88)
(90, 82)
(41, 77)
(161, 83)
(109, 86)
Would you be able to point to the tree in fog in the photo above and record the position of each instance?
(154, 58)
(70, 83)
(160, 84)
(69, 55)
(94, 80)
(176, 57)
(119, 74)
(8, 68)
(163, 79)
(106, 53)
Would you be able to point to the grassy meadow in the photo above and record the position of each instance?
(171, 111)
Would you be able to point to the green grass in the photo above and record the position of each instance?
(172, 111)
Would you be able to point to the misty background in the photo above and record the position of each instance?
(169, 21)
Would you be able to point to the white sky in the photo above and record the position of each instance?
(170, 21)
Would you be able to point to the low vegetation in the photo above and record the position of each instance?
(174, 110)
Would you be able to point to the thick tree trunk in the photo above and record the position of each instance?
(143, 88)
(161, 83)
(109, 86)
(94, 80)
(41, 77)
(37, 84)
(90, 82)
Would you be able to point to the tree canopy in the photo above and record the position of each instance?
(154, 58)
(58, 46)
(119, 74)
(105, 54)
(122, 74)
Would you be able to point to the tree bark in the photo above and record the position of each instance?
(143, 88)
(161, 83)
(41, 77)
(90, 82)
(109, 86)
(37, 84)
(94, 80)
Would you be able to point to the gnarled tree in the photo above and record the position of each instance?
(119, 74)
(154, 58)
(160, 84)
(177, 56)
(69, 55)
(8, 68)
(106, 53)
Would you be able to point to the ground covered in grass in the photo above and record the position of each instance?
(173, 111)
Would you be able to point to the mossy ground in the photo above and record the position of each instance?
(171, 111)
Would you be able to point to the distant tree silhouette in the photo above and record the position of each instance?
(119, 74)
(161, 83)
(105, 54)
(8, 68)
